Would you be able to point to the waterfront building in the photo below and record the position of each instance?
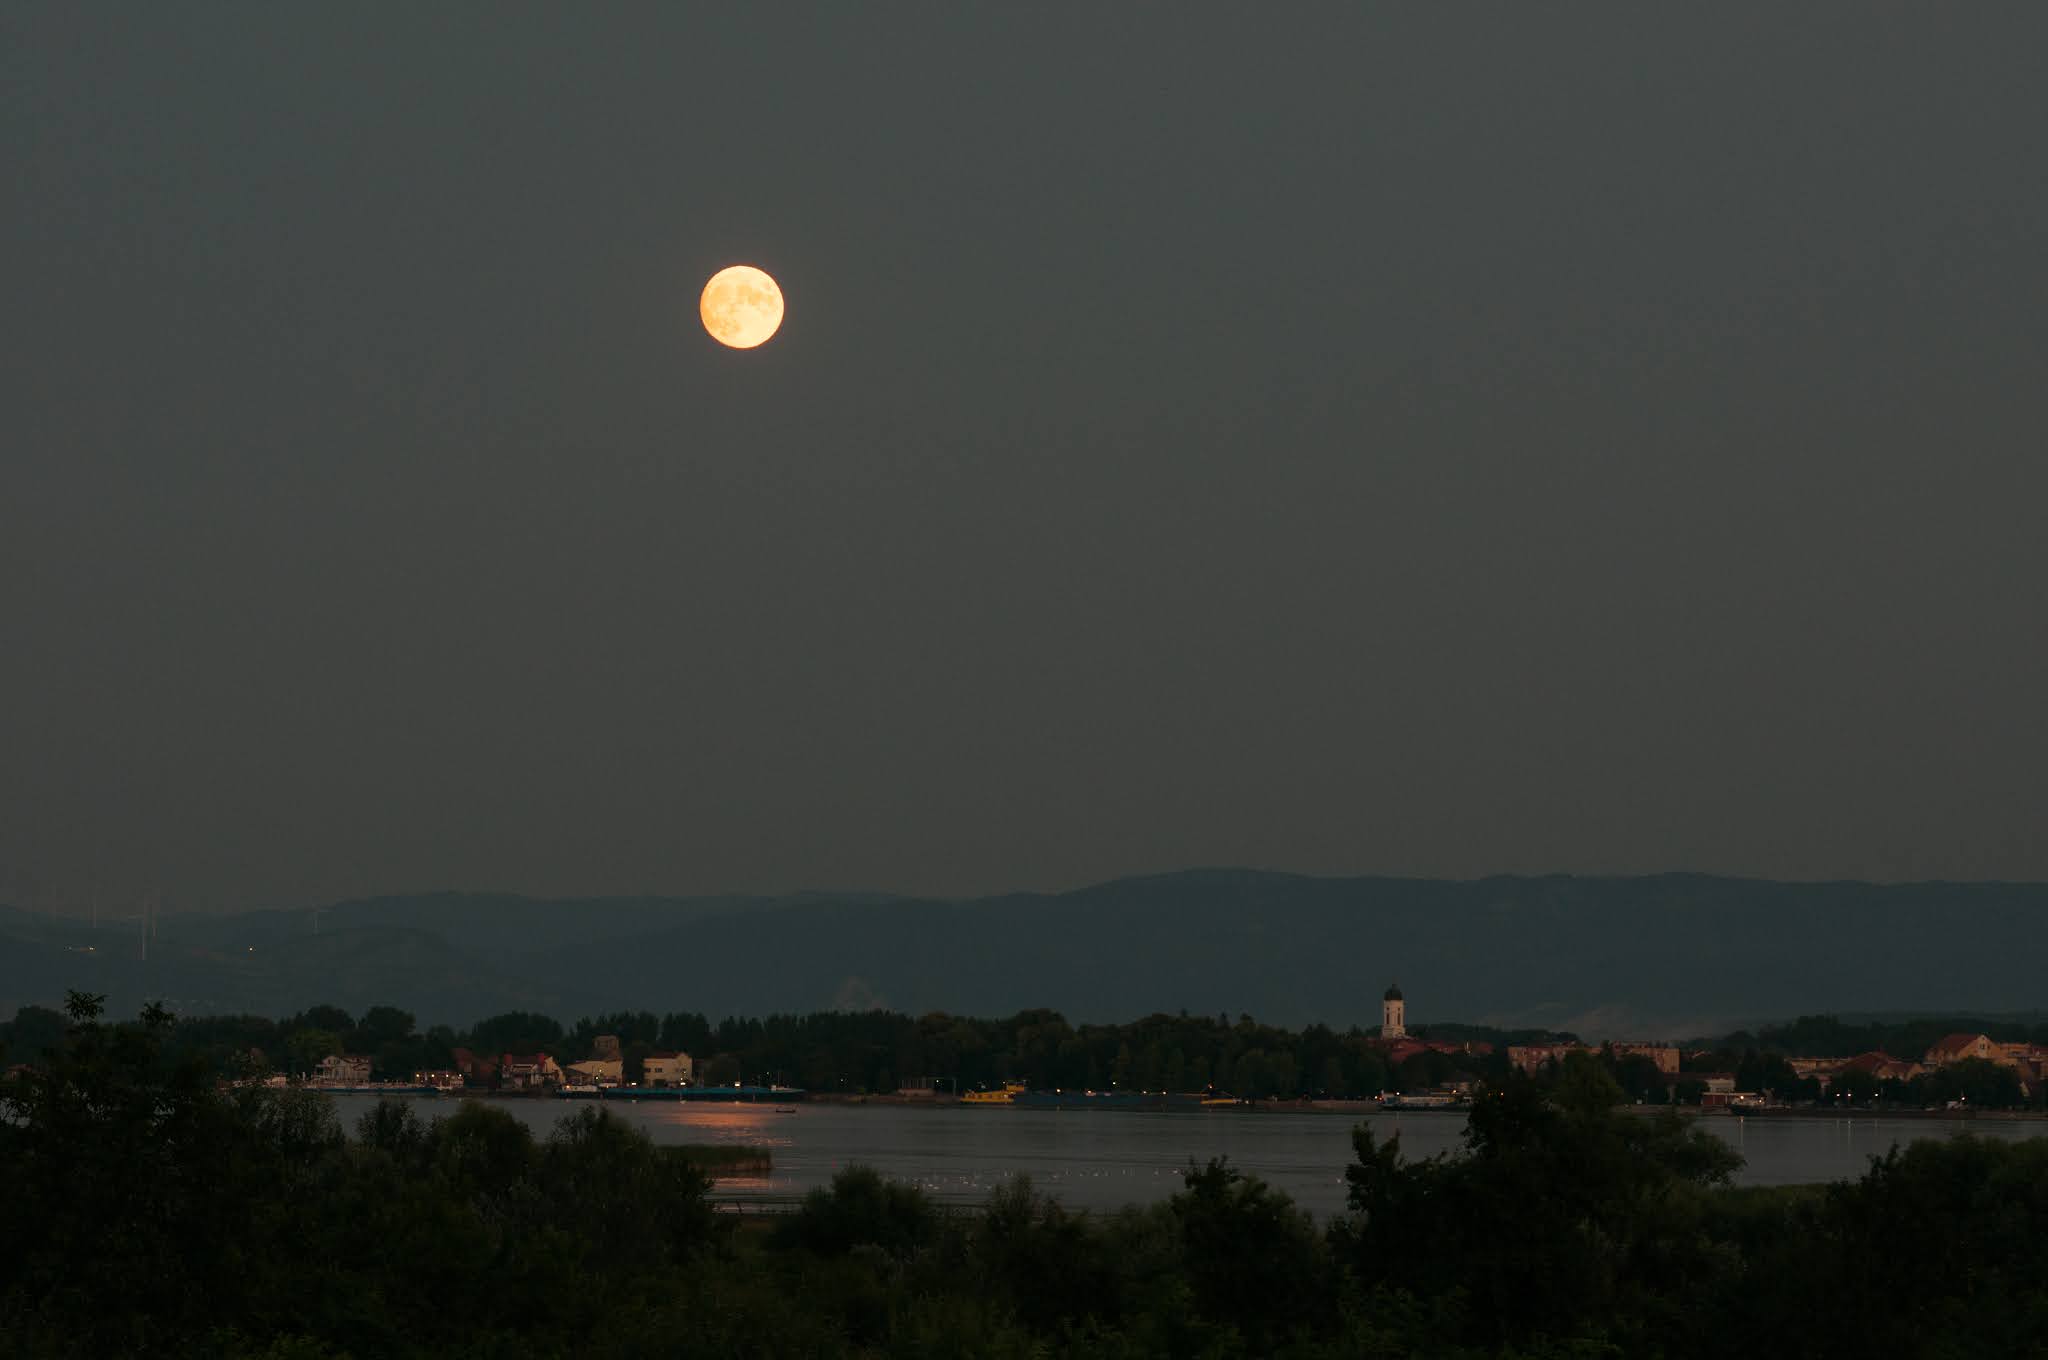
(339, 1069)
(528, 1071)
(2029, 1060)
(475, 1070)
(596, 1072)
(2032, 1062)
(1665, 1056)
(1954, 1048)
(1720, 1089)
(1876, 1062)
(1882, 1065)
(1530, 1057)
(1397, 1051)
(668, 1069)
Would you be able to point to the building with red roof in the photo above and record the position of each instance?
(528, 1071)
(1883, 1066)
(1954, 1048)
(476, 1070)
(668, 1069)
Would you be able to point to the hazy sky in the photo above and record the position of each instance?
(1339, 438)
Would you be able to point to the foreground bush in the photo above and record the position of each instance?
(148, 1213)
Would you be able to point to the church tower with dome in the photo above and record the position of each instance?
(1393, 1014)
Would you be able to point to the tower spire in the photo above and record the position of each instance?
(1393, 1014)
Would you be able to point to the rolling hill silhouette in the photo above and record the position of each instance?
(1663, 954)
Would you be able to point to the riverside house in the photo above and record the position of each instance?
(668, 1069)
(339, 1069)
(596, 1072)
(528, 1072)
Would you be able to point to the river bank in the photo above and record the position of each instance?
(1105, 1159)
(1363, 1108)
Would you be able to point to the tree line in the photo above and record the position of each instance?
(864, 1051)
(154, 1212)
(882, 1051)
(1828, 1036)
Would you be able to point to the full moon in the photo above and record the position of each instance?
(741, 306)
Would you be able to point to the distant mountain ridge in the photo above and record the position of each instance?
(1663, 954)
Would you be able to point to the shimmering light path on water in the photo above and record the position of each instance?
(1104, 1159)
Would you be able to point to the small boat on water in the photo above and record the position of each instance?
(757, 1095)
(1007, 1096)
(371, 1088)
(1110, 1100)
(1427, 1100)
(1016, 1095)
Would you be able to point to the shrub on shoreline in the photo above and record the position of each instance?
(150, 1213)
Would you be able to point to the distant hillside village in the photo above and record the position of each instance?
(1681, 1075)
(1814, 1061)
(513, 1073)
(1863, 1077)
(1690, 1076)
(606, 1066)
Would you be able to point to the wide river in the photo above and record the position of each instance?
(1104, 1159)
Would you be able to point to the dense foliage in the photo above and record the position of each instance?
(1827, 1036)
(1758, 1063)
(868, 1051)
(153, 1212)
(880, 1051)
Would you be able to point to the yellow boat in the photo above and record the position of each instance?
(1007, 1096)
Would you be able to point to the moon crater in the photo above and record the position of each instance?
(741, 306)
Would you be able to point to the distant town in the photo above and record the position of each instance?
(1038, 1058)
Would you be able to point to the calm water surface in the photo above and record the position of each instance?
(1104, 1159)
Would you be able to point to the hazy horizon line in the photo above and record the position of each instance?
(75, 902)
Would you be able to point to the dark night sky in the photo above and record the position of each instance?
(1345, 439)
